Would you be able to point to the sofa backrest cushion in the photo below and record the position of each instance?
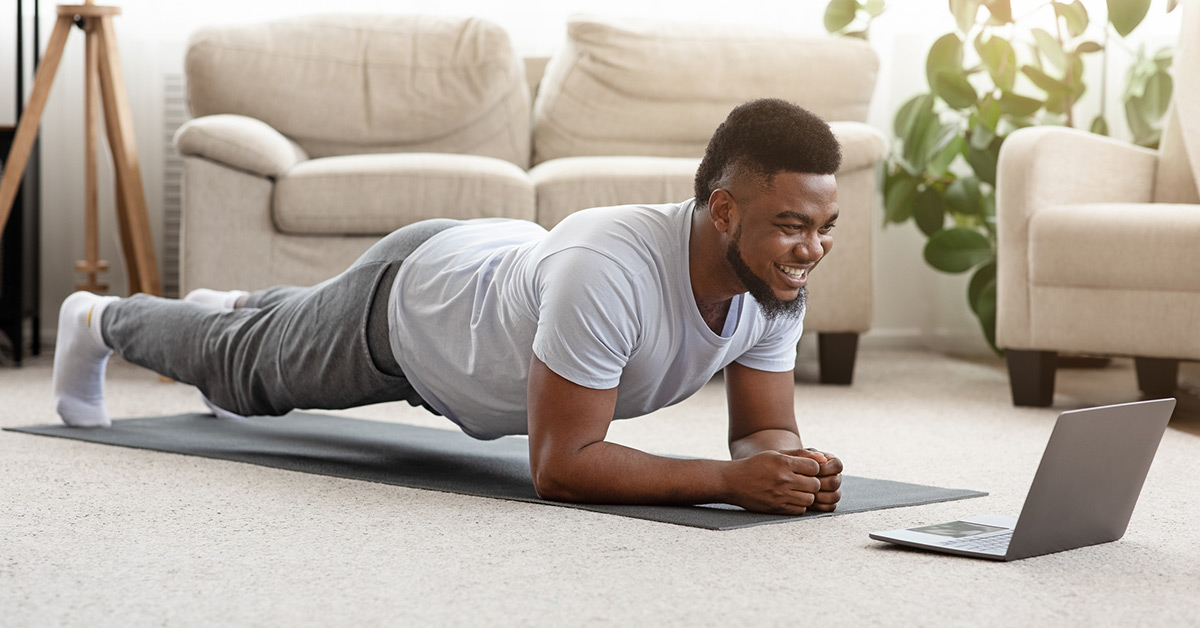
(347, 84)
(661, 88)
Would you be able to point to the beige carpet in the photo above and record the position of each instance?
(95, 535)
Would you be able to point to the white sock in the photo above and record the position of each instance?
(219, 412)
(225, 300)
(80, 359)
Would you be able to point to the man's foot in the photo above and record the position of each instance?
(225, 300)
(80, 359)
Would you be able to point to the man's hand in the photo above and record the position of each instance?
(830, 476)
(778, 482)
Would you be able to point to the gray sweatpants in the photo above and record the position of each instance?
(320, 347)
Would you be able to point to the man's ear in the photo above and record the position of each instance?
(721, 209)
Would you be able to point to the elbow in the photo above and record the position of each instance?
(552, 484)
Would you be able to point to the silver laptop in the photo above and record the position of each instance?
(1083, 493)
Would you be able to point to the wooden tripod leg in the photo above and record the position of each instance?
(137, 239)
(18, 155)
(92, 264)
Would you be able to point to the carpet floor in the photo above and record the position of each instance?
(106, 536)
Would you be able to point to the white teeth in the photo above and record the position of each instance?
(795, 273)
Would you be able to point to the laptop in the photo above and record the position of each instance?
(1082, 494)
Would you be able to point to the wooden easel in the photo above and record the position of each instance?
(104, 81)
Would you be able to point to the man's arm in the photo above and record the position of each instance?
(762, 417)
(571, 461)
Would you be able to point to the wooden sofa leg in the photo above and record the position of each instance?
(1157, 377)
(1031, 375)
(836, 353)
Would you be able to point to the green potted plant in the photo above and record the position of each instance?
(992, 75)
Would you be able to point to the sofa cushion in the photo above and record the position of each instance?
(660, 89)
(376, 194)
(1123, 246)
(347, 84)
(565, 186)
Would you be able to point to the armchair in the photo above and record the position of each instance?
(1099, 245)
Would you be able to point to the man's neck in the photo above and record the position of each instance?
(710, 276)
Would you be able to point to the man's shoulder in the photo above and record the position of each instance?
(632, 235)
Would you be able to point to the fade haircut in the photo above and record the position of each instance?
(762, 138)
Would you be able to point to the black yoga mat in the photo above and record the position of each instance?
(439, 460)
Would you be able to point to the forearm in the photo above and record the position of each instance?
(604, 472)
(764, 440)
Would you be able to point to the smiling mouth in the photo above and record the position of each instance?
(799, 275)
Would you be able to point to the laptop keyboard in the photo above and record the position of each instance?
(996, 543)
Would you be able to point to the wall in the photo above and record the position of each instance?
(915, 306)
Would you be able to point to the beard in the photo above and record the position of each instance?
(772, 306)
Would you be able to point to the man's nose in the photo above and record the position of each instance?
(808, 247)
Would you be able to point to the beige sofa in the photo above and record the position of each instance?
(315, 136)
(1099, 245)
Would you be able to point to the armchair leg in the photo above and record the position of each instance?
(1031, 375)
(1157, 377)
(836, 353)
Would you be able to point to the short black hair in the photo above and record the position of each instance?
(762, 138)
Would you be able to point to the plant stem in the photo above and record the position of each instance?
(1066, 75)
(1104, 76)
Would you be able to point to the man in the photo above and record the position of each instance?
(506, 328)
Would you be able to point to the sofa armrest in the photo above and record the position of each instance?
(863, 146)
(1047, 166)
(239, 142)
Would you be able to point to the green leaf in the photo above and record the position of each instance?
(945, 55)
(1088, 47)
(1156, 97)
(1020, 106)
(1074, 14)
(989, 113)
(1144, 133)
(984, 161)
(1001, 10)
(1171, 4)
(1052, 86)
(899, 198)
(979, 280)
(929, 211)
(911, 111)
(1125, 15)
(964, 197)
(999, 58)
(952, 147)
(874, 8)
(919, 146)
(965, 13)
(957, 249)
(980, 137)
(1099, 126)
(1050, 48)
(985, 310)
(839, 14)
(955, 89)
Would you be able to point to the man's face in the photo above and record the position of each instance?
(780, 234)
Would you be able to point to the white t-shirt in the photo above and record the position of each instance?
(604, 299)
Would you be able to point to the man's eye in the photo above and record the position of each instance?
(828, 228)
(793, 227)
